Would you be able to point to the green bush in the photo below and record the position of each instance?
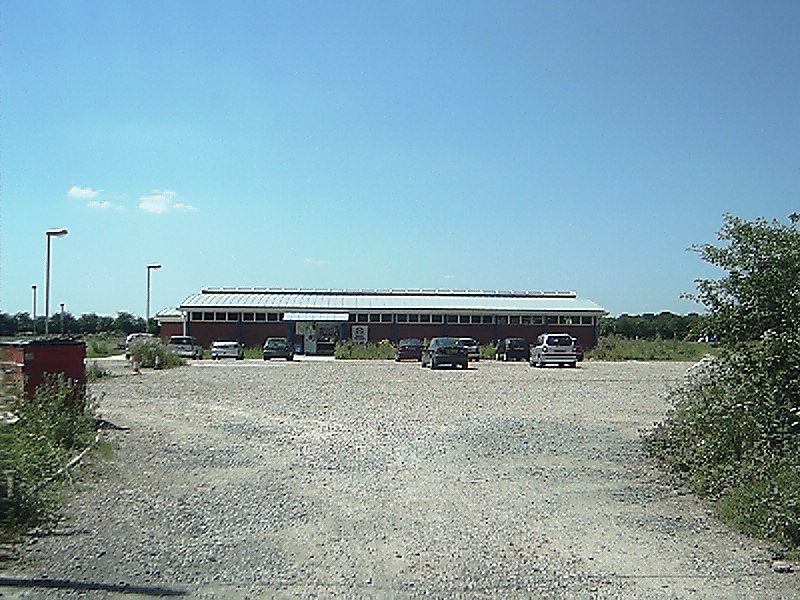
(488, 352)
(48, 429)
(150, 351)
(734, 434)
(369, 351)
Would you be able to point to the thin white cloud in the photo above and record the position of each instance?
(315, 261)
(103, 205)
(160, 202)
(82, 193)
(449, 276)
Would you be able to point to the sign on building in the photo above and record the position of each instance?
(360, 334)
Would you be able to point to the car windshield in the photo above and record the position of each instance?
(467, 342)
(409, 342)
(517, 342)
(559, 340)
(445, 341)
(180, 340)
(225, 344)
(276, 343)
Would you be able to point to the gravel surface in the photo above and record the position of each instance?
(348, 479)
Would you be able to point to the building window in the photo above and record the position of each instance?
(274, 316)
(426, 318)
(476, 319)
(413, 318)
(513, 320)
(261, 316)
(502, 320)
(197, 316)
(374, 318)
(488, 319)
(552, 320)
(386, 318)
(452, 319)
(362, 318)
(525, 320)
(248, 317)
(464, 319)
(537, 320)
(220, 316)
(437, 318)
(587, 320)
(208, 316)
(233, 316)
(401, 318)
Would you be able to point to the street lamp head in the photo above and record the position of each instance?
(154, 266)
(56, 232)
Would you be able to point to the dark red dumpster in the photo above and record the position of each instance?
(26, 363)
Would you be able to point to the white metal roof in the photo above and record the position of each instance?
(282, 300)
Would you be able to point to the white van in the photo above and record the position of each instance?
(554, 349)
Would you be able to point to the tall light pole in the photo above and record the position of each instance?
(50, 233)
(150, 267)
(33, 288)
(62, 318)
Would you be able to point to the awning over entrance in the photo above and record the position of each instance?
(316, 317)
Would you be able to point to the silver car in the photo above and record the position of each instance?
(185, 346)
(227, 350)
(554, 349)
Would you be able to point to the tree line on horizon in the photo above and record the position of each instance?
(649, 326)
(123, 323)
(665, 325)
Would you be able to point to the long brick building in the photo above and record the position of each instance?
(315, 319)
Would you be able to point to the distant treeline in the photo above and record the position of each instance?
(649, 326)
(22, 323)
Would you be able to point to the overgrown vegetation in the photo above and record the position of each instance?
(40, 438)
(103, 344)
(349, 349)
(616, 347)
(734, 435)
(150, 352)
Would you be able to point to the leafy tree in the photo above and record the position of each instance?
(8, 324)
(762, 289)
(128, 323)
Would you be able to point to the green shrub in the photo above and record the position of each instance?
(94, 371)
(49, 428)
(369, 351)
(734, 437)
(150, 351)
(488, 352)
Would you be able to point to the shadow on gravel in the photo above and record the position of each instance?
(120, 588)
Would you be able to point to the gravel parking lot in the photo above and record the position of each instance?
(347, 479)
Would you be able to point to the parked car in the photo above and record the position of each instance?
(444, 351)
(133, 338)
(408, 348)
(185, 346)
(472, 346)
(553, 349)
(513, 349)
(578, 349)
(278, 347)
(225, 349)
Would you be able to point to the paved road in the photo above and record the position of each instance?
(346, 479)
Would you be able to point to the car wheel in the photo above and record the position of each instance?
(573, 364)
(433, 364)
(290, 358)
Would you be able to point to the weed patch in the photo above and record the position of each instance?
(46, 431)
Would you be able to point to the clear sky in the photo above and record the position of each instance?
(368, 144)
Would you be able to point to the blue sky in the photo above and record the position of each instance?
(364, 144)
